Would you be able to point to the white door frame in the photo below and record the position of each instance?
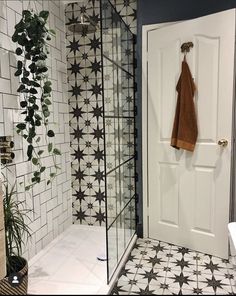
(145, 30)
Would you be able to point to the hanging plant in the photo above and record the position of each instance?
(32, 34)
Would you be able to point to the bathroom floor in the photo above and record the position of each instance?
(69, 264)
(157, 268)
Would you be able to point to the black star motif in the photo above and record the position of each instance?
(96, 89)
(76, 90)
(97, 112)
(150, 275)
(116, 290)
(183, 251)
(124, 272)
(78, 133)
(99, 196)
(97, 133)
(155, 260)
(212, 267)
(84, 56)
(197, 291)
(83, 9)
(131, 258)
(215, 284)
(80, 215)
(77, 112)
(94, 18)
(146, 291)
(78, 154)
(75, 68)
(100, 217)
(95, 67)
(164, 286)
(80, 195)
(99, 176)
(72, 20)
(98, 155)
(94, 43)
(85, 78)
(158, 248)
(79, 175)
(182, 263)
(74, 45)
(181, 279)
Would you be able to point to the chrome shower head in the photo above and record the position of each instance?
(82, 26)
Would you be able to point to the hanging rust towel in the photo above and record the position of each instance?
(185, 131)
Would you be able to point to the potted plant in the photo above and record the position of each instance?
(16, 233)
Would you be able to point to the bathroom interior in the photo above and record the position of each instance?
(103, 223)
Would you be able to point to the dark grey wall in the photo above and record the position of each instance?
(158, 11)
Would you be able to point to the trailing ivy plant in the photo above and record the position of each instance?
(32, 35)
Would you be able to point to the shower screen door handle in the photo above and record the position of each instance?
(223, 142)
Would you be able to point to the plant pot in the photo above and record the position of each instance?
(16, 286)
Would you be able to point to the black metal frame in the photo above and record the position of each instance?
(134, 197)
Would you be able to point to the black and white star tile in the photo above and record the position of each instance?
(158, 268)
(84, 74)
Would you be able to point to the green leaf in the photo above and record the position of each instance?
(30, 151)
(21, 88)
(19, 64)
(19, 51)
(44, 14)
(40, 152)
(18, 72)
(27, 188)
(46, 114)
(56, 151)
(23, 104)
(50, 147)
(25, 80)
(38, 117)
(33, 91)
(38, 140)
(48, 182)
(50, 134)
(47, 102)
(42, 169)
(52, 175)
(35, 161)
(47, 88)
(32, 99)
(21, 126)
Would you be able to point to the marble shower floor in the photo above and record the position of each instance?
(69, 264)
(157, 268)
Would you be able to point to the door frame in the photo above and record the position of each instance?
(232, 215)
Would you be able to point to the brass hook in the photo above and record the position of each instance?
(185, 47)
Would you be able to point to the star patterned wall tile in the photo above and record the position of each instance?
(84, 68)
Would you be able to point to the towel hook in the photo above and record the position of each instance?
(185, 47)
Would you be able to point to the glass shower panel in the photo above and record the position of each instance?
(119, 133)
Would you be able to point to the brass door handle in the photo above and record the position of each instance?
(223, 142)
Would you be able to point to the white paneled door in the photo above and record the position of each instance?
(189, 193)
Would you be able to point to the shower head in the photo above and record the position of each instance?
(82, 26)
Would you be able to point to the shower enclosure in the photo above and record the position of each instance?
(100, 60)
(119, 133)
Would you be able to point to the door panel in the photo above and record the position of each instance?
(189, 193)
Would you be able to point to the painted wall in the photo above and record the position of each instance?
(86, 110)
(158, 11)
(51, 204)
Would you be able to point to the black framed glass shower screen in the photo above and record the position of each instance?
(119, 133)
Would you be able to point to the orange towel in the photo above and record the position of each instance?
(185, 131)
